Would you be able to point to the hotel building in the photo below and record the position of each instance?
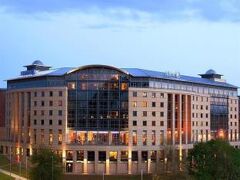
(101, 118)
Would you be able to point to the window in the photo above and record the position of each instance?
(35, 94)
(134, 138)
(80, 155)
(134, 94)
(50, 103)
(154, 114)
(60, 93)
(144, 138)
(113, 155)
(59, 136)
(161, 104)
(60, 112)
(161, 123)
(161, 114)
(153, 123)
(153, 156)
(144, 123)
(124, 155)
(69, 155)
(153, 137)
(134, 123)
(162, 95)
(50, 93)
(42, 122)
(144, 94)
(50, 122)
(71, 85)
(50, 136)
(153, 104)
(43, 93)
(35, 112)
(144, 113)
(144, 104)
(134, 156)
(35, 122)
(42, 103)
(35, 103)
(144, 155)
(161, 137)
(50, 112)
(134, 113)
(42, 112)
(124, 86)
(102, 156)
(59, 122)
(153, 95)
(134, 104)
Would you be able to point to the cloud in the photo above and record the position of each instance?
(210, 10)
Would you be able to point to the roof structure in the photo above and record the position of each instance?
(134, 72)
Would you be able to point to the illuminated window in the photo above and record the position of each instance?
(124, 155)
(83, 86)
(153, 137)
(134, 138)
(71, 85)
(80, 155)
(144, 104)
(161, 137)
(144, 94)
(113, 155)
(153, 95)
(50, 136)
(134, 104)
(69, 155)
(124, 86)
(59, 136)
(144, 137)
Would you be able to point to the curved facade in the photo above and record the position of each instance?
(118, 121)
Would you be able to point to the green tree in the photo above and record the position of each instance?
(46, 165)
(215, 159)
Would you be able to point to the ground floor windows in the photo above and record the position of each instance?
(69, 167)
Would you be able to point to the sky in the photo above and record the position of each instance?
(186, 36)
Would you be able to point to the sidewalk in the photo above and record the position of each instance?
(12, 174)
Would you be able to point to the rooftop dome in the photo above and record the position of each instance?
(211, 71)
(37, 62)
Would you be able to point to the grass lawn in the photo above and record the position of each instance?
(5, 177)
(4, 164)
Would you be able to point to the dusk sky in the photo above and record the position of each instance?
(186, 36)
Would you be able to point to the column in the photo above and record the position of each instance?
(149, 162)
(129, 162)
(173, 118)
(180, 127)
(107, 163)
(96, 162)
(139, 161)
(186, 119)
(85, 164)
